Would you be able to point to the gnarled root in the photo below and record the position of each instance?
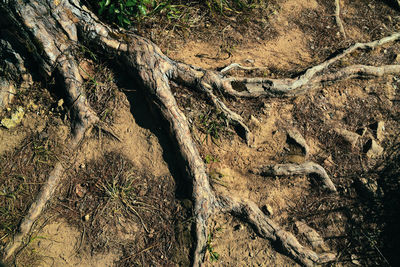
(53, 54)
(206, 81)
(268, 229)
(265, 87)
(306, 168)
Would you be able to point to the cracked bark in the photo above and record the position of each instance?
(53, 29)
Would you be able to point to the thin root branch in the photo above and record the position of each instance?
(257, 87)
(237, 65)
(338, 20)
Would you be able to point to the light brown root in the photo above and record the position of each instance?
(202, 192)
(265, 87)
(358, 71)
(338, 20)
(306, 168)
(268, 229)
(238, 66)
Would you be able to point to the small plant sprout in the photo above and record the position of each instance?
(214, 256)
(212, 123)
(210, 158)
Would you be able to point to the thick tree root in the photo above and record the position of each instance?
(87, 119)
(53, 56)
(143, 59)
(306, 168)
(268, 229)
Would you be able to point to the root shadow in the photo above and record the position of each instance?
(148, 118)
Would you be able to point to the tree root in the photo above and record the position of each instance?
(257, 87)
(237, 65)
(337, 18)
(268, 229)
(358, 71)
(306, 168)
(67, 67)
(86, 120)
(205, 81)
(143, 59)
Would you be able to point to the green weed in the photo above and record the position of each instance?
(210, 158)
(119, 188)
(212, 124)
(42, 153)
(123, 11)
(214, 256)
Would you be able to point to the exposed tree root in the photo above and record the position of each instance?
(306, 168)
(144, 60)
(86, 120)
(358, 71)
(257, 87)
(294, 136)
(337, 18)
(205, 81)
(268, 229)
(84, 117)
(237, 65)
